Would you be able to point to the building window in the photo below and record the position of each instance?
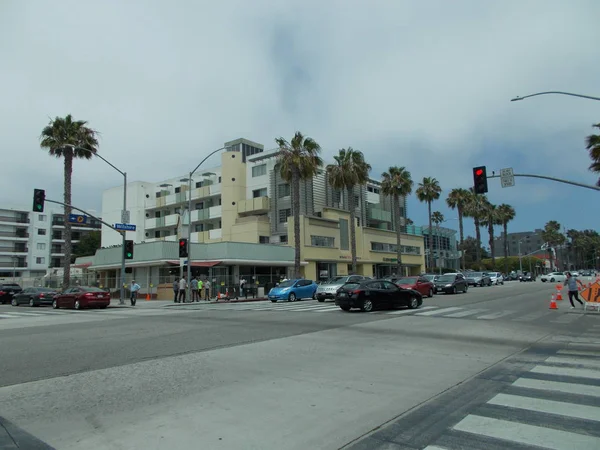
(199, 205)
(256, 193)
(264, 240)
(177, 190)
(392, 248)
(322, 241)
(198, 184)
(41, 246)
(284, 214)
(283, 190)
(344, 238)
(283, 239)
(157, 234)
(42, 217)
(219, 179)
(258, 171)
(42, 231)
(199, 227)
(40, 260)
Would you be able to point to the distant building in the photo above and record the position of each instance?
(445, 247)
(524, 242)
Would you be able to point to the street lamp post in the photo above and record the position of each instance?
(124, 219)
(516, 99)
(520, 257)
(189, 249)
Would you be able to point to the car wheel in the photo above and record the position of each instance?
(314, 296)
(14, 302)
(273, 301)
(54, 304)
(320, 300)
(77, 305)
(367, 305)
(31, 302)
(345, 308)
(552, 280)
(430, 292)
(454, 290)
(413, 303)
(292, 297)
(466, 288)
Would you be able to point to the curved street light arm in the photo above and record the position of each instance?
(516, 99)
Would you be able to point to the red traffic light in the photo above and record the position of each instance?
(182, 243)
(479, 172)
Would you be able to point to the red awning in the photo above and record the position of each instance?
(82, 266)
(198, 263)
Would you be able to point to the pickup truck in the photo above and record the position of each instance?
(7, 290)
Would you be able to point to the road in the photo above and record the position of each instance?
(304, 375)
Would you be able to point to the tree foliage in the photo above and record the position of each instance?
(88, 245)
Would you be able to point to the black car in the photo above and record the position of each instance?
(34, 296)
(526, 277)
(372, 294)
(7, 290)
(451, 283)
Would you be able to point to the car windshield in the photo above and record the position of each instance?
(475, 274)
(92, 289)
(406, 280)
(41, 289)
(337, 280)
(431, 277)
(350, 286)
(285, 284)
(446, 279)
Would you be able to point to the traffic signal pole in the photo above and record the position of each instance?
(559, 180)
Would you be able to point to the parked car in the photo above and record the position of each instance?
(34, 296)
(431, 276)
(479, 279)
(327, 289)
(7, 290)
(292, 290)
(451, 283)
(82, 297)
(417, 283)
(554, 276)
(496, 277)
(374, 294)
(528, 276)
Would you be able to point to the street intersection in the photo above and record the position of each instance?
(452, 374)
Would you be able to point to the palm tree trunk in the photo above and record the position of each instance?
(352, 228)
(461, 232)
(437, 235)
(296, 212)
(491, 242)
(478, 239)
(398, 237)
(430, 237)
(505, 224)
(68, 171)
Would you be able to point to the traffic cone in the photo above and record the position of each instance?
(148, 297)
(558, 296)
(553, 303)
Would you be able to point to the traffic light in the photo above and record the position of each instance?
(39, 196)
(128, 249)
(183, 248)
(480, 185)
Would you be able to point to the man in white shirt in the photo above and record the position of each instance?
(182, 287)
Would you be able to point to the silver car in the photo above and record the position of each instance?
(327, 289)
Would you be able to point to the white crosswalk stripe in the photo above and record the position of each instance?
(542, 408)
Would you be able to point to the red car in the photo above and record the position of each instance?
(82, 297)
(419, 284)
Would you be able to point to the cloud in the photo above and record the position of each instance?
(425, 85)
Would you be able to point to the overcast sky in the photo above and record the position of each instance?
(421, 84)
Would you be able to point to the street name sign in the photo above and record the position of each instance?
(507, 178)
(125, 226)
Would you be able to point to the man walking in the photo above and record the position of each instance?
(194, 289)
(134, 292)
(207, 290)
(572, 283)
(175, 290)
(182, 287)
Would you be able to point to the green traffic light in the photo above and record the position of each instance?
(38, 206)
(129, 255)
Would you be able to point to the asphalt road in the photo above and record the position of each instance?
(284, 376)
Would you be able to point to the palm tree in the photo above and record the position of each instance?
(457, 199)
(68, 139)
(476, 207)
(299, 160)
(349, 171)
(491, 218)
(428, 191)
(593, 146)
(437, 218)
(397, 182)
(506, 213)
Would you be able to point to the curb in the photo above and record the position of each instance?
(13, 437)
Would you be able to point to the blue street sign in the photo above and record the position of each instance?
(125, 226)
(78, 218)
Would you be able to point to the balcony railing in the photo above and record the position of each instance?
(14, 219)
(14, 234)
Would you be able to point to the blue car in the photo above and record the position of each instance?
(292, 290)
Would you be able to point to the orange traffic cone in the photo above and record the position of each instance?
(558, 296)
(148, 297)
(553, 303)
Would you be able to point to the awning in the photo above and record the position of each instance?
(198, 263)
(82, 266)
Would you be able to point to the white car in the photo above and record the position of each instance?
(496, 277)
(554, 276)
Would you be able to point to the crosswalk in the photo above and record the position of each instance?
(554, 405)
(23, 313)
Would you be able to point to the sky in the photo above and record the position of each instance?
(421, 84)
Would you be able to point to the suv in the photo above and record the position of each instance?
(7, 290)
(328, 289)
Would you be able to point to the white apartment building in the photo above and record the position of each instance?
(158, 209)
(31, 242)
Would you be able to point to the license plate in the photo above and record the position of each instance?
(100, 295)
(342, 294)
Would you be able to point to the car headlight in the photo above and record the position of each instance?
(448, 285)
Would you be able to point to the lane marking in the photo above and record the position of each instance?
(547, 406)
(579, 352)
(567, 372)
(574, 361)
(439, 311)
(408, 311)
(466, 313)
(496, 315)
(558, 386)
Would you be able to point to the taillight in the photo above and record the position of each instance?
(356, 291)
(2, 293)
(88, 295)
(42, 295)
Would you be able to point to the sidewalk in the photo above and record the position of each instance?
(13, 437)
(142, 303)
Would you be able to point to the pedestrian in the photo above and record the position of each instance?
(571, 282)
(206, 285)
(175, 290)
(134, 292)
(182, 286)
(194, 289)
(242, 287)
(199, 293)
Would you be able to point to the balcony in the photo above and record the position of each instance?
(253, 206)
(9, 219)
(172, 220)
(206, 236)
(14, 235)
(379, 215)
